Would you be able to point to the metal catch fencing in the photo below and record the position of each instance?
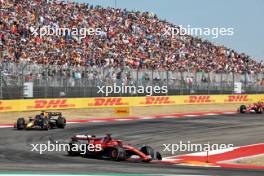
(53, 81)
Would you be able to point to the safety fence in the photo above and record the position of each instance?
(111, 102)
(53, 81)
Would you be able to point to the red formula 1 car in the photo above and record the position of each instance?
(252, 108)
(105, 147)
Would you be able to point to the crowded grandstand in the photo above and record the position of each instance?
(133, 39)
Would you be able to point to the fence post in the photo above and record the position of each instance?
(167, 81)
(46, 83)
(23, 79)
(261, 86)
(1, 82)
(233, 81)
(195, 83)
(245, 76)
(221, 83)
(152, 81)
(182, 83)
(208, 82)
(258, 83)
(137, 81)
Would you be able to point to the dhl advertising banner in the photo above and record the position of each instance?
(70, 103)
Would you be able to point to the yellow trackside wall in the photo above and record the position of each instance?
(69, 103)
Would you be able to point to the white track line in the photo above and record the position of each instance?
(72, 122)
(191, 115)
(229, 112)
(6, 126)
(97, 121)
(169, 117)
(146, 118)
(122, 119)
(195, 165)
(211, 114)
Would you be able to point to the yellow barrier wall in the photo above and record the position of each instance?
(67, 103)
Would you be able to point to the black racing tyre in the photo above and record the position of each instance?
(147, 150)
(20, 123)
(259, 110)
(117, 153)
(242, 109)
(61, 122)
(73, 148)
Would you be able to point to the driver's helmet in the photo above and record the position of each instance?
(37, 117)
(107, 138)
(46, 114)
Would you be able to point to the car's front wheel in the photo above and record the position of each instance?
(20, 123)
(61, 122)
(259, 110)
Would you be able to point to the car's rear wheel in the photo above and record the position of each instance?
(243, 109)
(20, 123)
(61, 122)
(73, 148)
(117, 153)
(147, 150)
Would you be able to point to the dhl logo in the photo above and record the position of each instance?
(237, 98)
(108, 102)
(2, 108)
(56, 103)
(199, 99)
(157, 100)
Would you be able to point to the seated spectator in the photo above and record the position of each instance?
(132, 39)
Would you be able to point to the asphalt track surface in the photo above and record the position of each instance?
(16, 154)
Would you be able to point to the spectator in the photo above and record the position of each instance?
(133, 39)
